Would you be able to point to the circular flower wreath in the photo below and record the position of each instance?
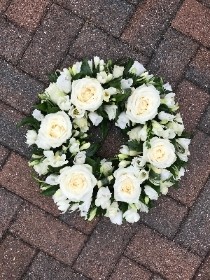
(94, 92)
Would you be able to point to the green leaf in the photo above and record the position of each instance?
(50, 191)
(165, 108)
(85, 68)
(120, 97)
(123, 206)
(47, 107)
(31, 121)
(116, 83)
(92, 150)
(179, 147)
(104, 127)
(53, 77)
(154, 177)
(127, 67)
(135, 145)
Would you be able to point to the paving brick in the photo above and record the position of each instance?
(16, 176)
(45, 267)
(49, 234)
(199, 69)
(68, 61)
(27, 13)
(9, 204)
(172, 56)
(205, 122)
(161, 255)
(194, 19)
(18, 89)
(205, 2)
(157, 277)
(92, 41)
(104, 247)
(204, 271)
(148, 23)
(3, 155)
(198, 170)
(3, 5)
(50, 42)
(13, 40)
(165, 217)
(127, 269)
(192, 102)
(15, 256)
(12, 136)
(196, 230)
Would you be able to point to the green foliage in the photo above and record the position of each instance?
(85, 68)
(127, 67)
(47, 107)
(30, 121)
(53, 77)
(91, 151)
(50, 191)
(135, 145)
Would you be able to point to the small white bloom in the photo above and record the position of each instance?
(126, 83)
(165, 174)
(103, 77)
(184, 142)
(122, 121)
(138, 162)
(42, 167)
(96, 60)
(103, 198)
(74, 145)
(167, 86)
(124, 163)
(80, 158)
(55, 160)
(52, 180)
(82, 123)
(85, 146)
(114, 213)
(142, 207)
(92, 214)
(164, 186)
(143, 175)
(150, 192)
(118, 71)
(163, 116)
(76, 68)
(76, 113)
(138, 133)
(106, 167)
(31, 137)
(168, 133)
(111, 111)
(124, 150)
(38, 115)
(131, 215)
(64, 81)
(90, 63)
(85, 206)
(95, 118)
(176, 127)
(137, 68)
(169, 99)
(180, 173)
(61, 200)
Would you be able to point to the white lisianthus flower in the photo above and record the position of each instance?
(85, 206)
(163, 116)
(168, 133)
(118, 71)
(165, 174)
(38, 115)
(64, 81)
(138, 133)
(114, 213)
(103, 77)
(87, 94)
(124, 150)
(42, 167)
(180, 173)
(127, 185)
(82, 123)
(98, 62)
(55, 160)
(169, 100)
(74, 145)
(161, 154)
(143, 104)
(131, 215)
(103, 198)
(126, 83)
(55, 129)
(167, 86)
(90, 63)
(143, 175)
(124, 163)
(76, 68)
(95, 118)
(122, 121)
(142, 207)
(111, 111)
(77, 182)
(106, 167)
(80, 158)
(61, 200)
(146, 76)
(85, 146)
(184, 142)
(52, 180)
(137, 68)
(157, 128)
(164, 186)
(150, 192)
(138, 162)
(31, 137)
(176, 127)
(76, 113)
(108, 93)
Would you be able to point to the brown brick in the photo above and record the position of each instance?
(3, 5)
(45, 267)
(205, 122)
(48, 233)
(9, 203)
(105, 246)
(192, 102)
(3, 155)
(13, 40)
(16, 176)
(172, 56)
(199, 69)
(148, 23)
(15, 256)
(204, 271)
(50, 42)
(198, 170)
(98, 43)
(165, 217)
(27, 13)
(195, 232)
(194, 19)
(161, 255)
(126, 269)
(17, 88)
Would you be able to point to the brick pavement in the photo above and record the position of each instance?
(172, 38)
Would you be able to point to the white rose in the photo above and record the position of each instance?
(31, 137)
(114, 213)
(77, 182)
(75, 112)
(131, 216)
(126, 83)
(163, 116)
(161, 154)
(137, 68)
(103, 77)
(55, 160)
(76, 68)
(184, 142)
(80, 158)
(64, 81)
(95, 118)
(61, 200)
(103, 198)
(74, 145)
(87, 94)
(58, 96)
(106, 167)
(118, 71)
(38, 115)
(150, 192)
(143, 104)
(122, 121)
(127, 185)
(52, 180)
(55, 129)
(111, 111)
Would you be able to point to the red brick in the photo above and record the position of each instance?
(194, 19)
(198, 170)
(50, 42)
(165, 217)
(48, 233)
(16, 176)
(192, 102)
(161, 255)
(13, 40)
(9, 204)
(126, 269)
(15, 256)
(27, 13)
(3, 155)
(204, 271)
(103, 249)
(172, 56)
(148, 23)
(199, 69)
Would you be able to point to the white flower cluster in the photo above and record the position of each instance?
(95, 92)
